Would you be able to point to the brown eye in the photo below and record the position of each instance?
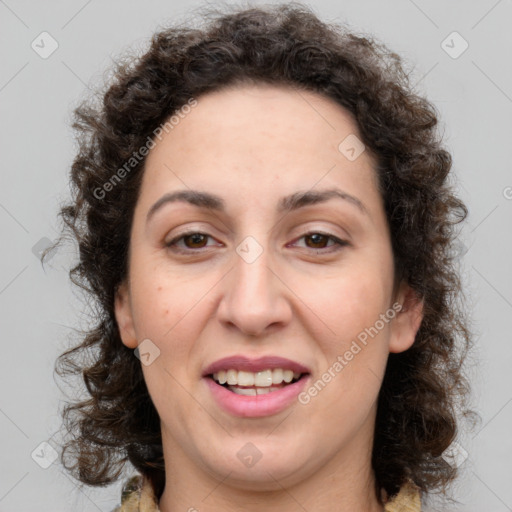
(318, 241)
(321, 242)
(195, 240)
(190, 242)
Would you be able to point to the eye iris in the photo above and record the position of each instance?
(197, 240)
(319, 241)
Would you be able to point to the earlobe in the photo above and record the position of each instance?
(407, 321)
(124, 316)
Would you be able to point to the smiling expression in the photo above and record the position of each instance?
(255, 237)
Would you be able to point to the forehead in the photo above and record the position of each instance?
(247, 116)
(261, 139)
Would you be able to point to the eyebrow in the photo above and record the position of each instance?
(286, 204)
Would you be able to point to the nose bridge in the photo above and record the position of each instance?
(252, 279)
(253, 298)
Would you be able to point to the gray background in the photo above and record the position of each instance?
(473, 93)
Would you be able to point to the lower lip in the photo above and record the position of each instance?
(259, 405)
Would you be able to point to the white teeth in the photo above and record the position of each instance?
(244, 391)
(252, 391)
(262, 379)
(277, 376)
(245, 378)
(232, 377)
(222, 377)
(288, 375)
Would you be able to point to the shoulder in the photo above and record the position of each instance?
(407, 500)
(137, 496)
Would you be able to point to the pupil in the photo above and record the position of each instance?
(317, 239)
(196, 239)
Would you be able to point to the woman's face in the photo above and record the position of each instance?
(275, 262)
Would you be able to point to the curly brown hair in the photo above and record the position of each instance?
(287, 45)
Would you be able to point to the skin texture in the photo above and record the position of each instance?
(300, 299)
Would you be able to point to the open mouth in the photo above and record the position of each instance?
(256, 383)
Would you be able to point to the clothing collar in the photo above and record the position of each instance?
(138, 496)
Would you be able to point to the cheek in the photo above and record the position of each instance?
(170, 309)
(350, 301)
(169, 312)
(159, 296)
(354, 347)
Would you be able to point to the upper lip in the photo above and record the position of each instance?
(239, 362)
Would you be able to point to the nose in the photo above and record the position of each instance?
(255, 299)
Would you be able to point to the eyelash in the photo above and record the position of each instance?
(338, 243)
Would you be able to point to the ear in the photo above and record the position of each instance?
(123, 312)
(407, 321)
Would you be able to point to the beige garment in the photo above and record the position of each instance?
(138, 496)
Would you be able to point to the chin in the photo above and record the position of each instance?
(260, 465)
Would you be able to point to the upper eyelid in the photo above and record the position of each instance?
(338, 240)
(180, 236)
(303, 231)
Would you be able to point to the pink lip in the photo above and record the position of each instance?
(259, 405)
(254, 365)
